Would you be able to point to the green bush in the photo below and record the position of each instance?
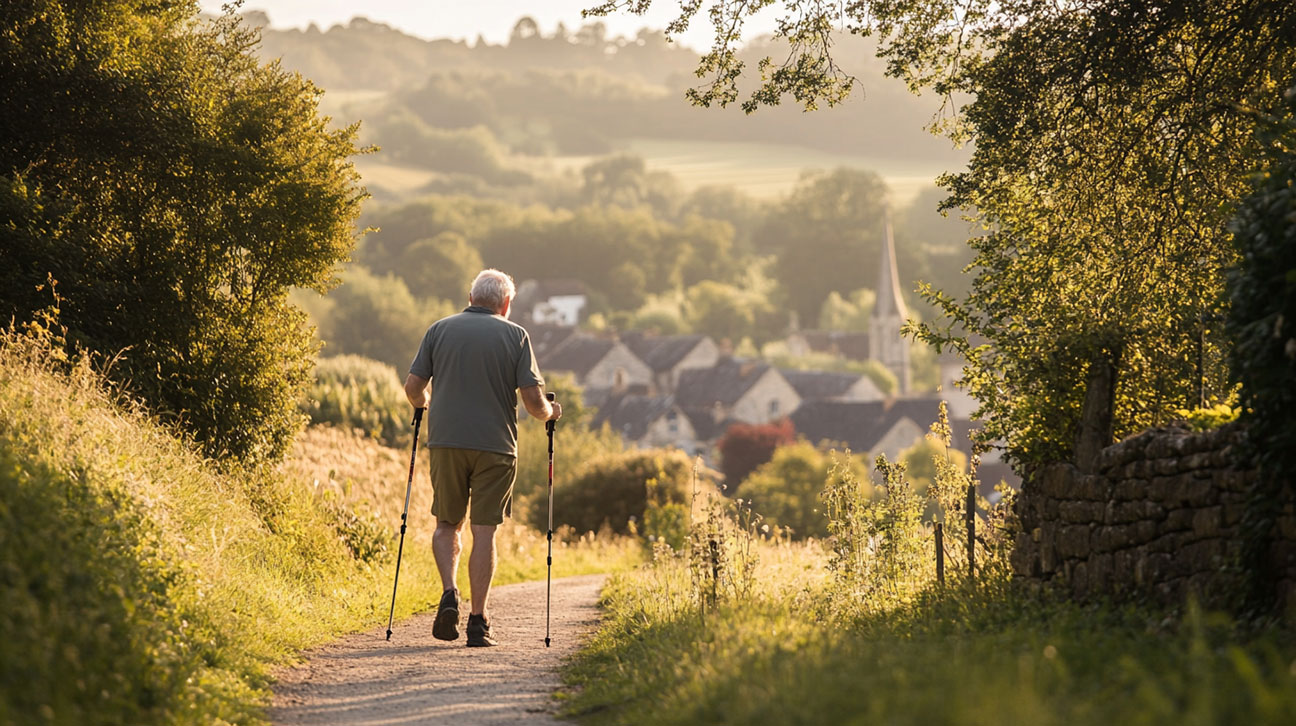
(785, 490)
(360, 393)
(613, 488)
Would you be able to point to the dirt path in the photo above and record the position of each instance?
(415, 679)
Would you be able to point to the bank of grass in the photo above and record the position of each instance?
(793, 653)
(142, 584)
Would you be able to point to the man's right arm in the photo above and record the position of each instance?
(534, 399)
(418, 391)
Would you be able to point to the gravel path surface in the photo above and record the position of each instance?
(364, 679)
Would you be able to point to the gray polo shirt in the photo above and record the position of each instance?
(476, 361)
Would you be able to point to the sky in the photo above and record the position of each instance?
(465, 19)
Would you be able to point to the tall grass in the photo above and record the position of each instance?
(143, 584)
(856, 630)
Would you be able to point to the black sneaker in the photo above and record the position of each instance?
(446, 625)
(479, 632)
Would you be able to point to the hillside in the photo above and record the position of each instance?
(144, 584)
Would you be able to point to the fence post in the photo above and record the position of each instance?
(940, 553)
(971, 529)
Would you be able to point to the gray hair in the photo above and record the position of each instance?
(491, 288)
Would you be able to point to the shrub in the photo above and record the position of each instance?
(356, 392)
(785, 490)
(746, 446)
(613, 488)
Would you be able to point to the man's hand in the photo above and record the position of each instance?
(533, 399)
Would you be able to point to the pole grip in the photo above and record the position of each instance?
(549, 425)
(418, 416)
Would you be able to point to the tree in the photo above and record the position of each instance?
(1112, 141)
(176, 189)
(746, 446)
(1262, 327)
(441, 267)
(827, 236)
(377, 317)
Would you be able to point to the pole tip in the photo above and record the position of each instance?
(389, 635)
(546, 642)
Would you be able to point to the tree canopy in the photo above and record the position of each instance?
(175, 189)
(1113, 142)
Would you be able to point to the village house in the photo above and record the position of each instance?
(888, 428)
(550, 302)
(736, 390)
(667, 355)
(600, 365)
(649, 421)
(832, 386)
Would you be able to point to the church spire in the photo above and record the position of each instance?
(886, 344)
(889, 302)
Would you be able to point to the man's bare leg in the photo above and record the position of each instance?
(445, 548)
(481, 565)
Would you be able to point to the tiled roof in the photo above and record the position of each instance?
(546, 338)
(861, 424)
(661, 352)
(578, 354)
(819, 385)
(724, 383)
(631, 415)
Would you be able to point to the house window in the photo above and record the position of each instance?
(774, 407)
(619, 378)
(672, 422)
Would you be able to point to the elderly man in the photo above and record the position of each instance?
(467, 373)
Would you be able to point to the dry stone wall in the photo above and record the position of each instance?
(1159, 516)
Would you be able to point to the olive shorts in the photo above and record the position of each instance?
(464, 476)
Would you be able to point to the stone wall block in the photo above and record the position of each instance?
(1164, 489)
(1100, 571)
(1127, 490)
(1159, 448)
(1200, 460)
(1166, 467)
(1179, 519)
(1048, 558)
(1233, 512)
(1208, 522)
(1200, 493)
(1126, 512)
(1079, 579)
(1073, 541)
(1165, 544)
(1111, 538)
(1079, 512)
(1144, 531)
(1202, 556)
(1152, 511)
(1152, 568)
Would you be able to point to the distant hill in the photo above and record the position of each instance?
(583, 92)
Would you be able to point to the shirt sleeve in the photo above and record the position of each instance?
(422, 365)
(528, 370)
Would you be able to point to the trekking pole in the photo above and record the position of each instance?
(418, 418)
(549, 428)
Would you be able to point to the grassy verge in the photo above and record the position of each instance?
(794, 653)
(141, 584)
